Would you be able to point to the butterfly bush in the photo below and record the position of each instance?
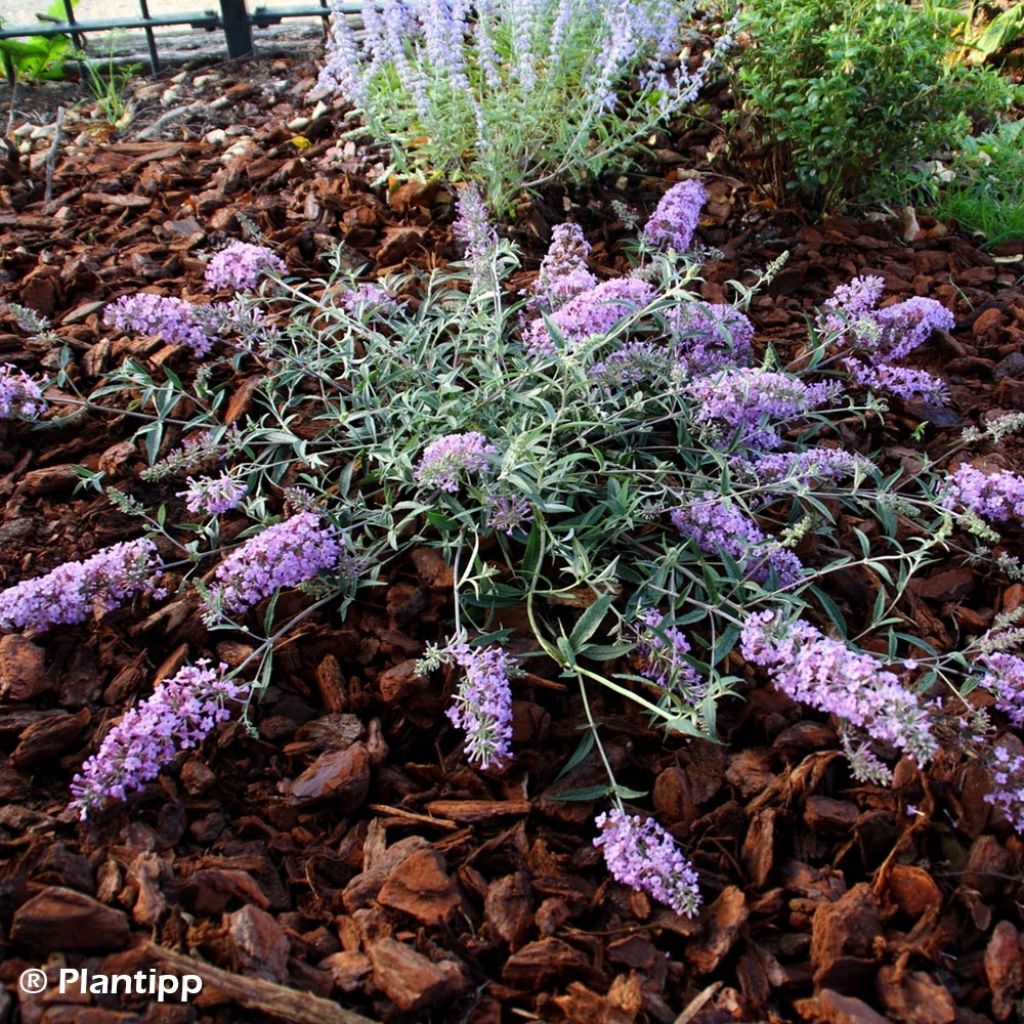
(482, 706)
(878, 337)
(211, 495)
(742, 402)
(711, 336)
(369, 300)
(240, 265)
(826, 674)
(283, 555)
(563, 272)
(1004, 679)
(444, 460)
(676, 217)
(997, 496)
(719, 528)
(661, 653)
(20, 396)
(172, 319)
(181, 712)
(1007, 794)
(509, 94)
(595, 311)
(75, 591)
(577, 449)
(641, 854)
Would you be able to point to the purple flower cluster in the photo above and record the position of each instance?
(444, 459)
(661, 652)
(195, 451)
(805, 468)
(482, 706)
(711, 336)
(676, 216)
(643, 855)
(595, 311)
(283, 555)
(75, 590)
(212, 495)
(885, 335)
(368, 300)
(240, 265)
(998, 496)
(902, 381)
(1007, 770)
(827, 675)
(634, 363)
(742, 401)
(720, 528)
(507, 513)
(563, 271)
(473, 229)
(180, 714)
(1005, 681)
(174, 320)
(20, 395)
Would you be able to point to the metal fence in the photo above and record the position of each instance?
(233, 18)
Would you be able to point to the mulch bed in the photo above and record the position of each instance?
(345, 861)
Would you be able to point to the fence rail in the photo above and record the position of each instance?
(233, 18)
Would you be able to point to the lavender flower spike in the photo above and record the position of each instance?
(283, 555)
(444, 459)
(676, 216)
(473, 228)
(174, 320)
(483, 703)
(180, 714)
(212, 495)
(825, 674)
(240, 265)
(997, 496)
(20, 395)
(75, 590)
(641, 854)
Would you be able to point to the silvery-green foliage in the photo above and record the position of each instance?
(514, 94)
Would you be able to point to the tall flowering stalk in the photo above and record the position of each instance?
(876, 338)
(74, 591)
(180, 714)
(826, 674)
(240, 265)
(720, 528)
(20, 395)
(445, 460)
(676, 216)
(641, 854)
(283, 555)
(482, 706)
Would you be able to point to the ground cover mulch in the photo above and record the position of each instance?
(345, 863)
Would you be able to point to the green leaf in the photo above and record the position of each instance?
(1003, 30)
(588, 623)
(583, 748)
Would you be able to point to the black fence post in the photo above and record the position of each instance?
(237, 30)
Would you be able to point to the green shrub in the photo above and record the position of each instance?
(849, 95)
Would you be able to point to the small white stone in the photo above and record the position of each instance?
(200, 80)
(320, 109)
(169, 96)
(217, 137)
(298, 124)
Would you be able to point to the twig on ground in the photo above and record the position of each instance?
(51, 157)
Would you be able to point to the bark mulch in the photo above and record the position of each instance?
(344, 863)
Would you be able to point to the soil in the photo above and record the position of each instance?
(396, 883)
